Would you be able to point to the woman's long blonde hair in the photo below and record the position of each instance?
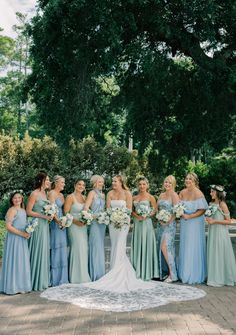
(122, 181)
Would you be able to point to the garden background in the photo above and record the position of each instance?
(132, 87)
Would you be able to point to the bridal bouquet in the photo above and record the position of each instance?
(103, 218)
(119, 216)
(211, 210)
(144, 210)
(163, 215)
(179, 210)
(86, 217)
(66, 221)
(50, 209)
(30, 228)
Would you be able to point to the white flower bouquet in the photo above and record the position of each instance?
(30, 228)
(179, 210)
(144, 210)
(211, 210)
(163, 215)
(50, 209)
(103, 218)
(66, 221)
(119, 216)
(86, 217)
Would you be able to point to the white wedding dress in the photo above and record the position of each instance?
(119, 290)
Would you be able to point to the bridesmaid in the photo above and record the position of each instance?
(192, 248)
(58, 238)
(166, 232)
(221, 264)
(96, 202)
(143, 246)
(39, 242)
(78, 236)
(15, 276)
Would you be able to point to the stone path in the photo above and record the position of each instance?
(27, 314)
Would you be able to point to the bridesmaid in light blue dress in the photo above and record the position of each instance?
(166, 231)
(96, 202)
(39, 245)
(58, 237)
(192, 250)
(78, 236)
(15, 276)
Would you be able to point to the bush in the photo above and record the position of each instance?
(2, 236)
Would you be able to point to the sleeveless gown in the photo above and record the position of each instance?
(221, 262)
(192, 247)
(143, 247)
(78, 242)
(96, 240)
(15, 275)
(119, 290)
(39, 247)
(167, 233)
(58, 244)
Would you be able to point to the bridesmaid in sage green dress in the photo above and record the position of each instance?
(39, 242)
(221, 264)
(144, 256)
(78, 236)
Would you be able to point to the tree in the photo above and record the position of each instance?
(172, 61)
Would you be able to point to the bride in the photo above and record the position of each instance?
(119, 290)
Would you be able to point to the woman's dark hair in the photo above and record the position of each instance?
(40, 179)
(12, 196)
(78, 180)
(220, 193)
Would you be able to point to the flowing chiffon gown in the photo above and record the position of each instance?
(15, 276)
(192, 248)
(119, 290)
(221, 264)
(58, 256)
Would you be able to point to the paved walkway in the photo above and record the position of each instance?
(29, 314)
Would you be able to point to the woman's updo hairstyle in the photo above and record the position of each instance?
(94, 179)
(55, 180)
(194, 177)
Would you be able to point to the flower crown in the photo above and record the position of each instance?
(16, 191)
(218, 188)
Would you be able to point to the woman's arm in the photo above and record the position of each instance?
(129, 200)
(108, 199)
(29, 208)
(89, 200)
(11, 213)
(196, 214)
(153, 205)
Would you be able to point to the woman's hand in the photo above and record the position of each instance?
(210, 220)
(25, 235)
(78, 223)
(141, 218)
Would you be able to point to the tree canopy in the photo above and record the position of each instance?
(172, 61)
